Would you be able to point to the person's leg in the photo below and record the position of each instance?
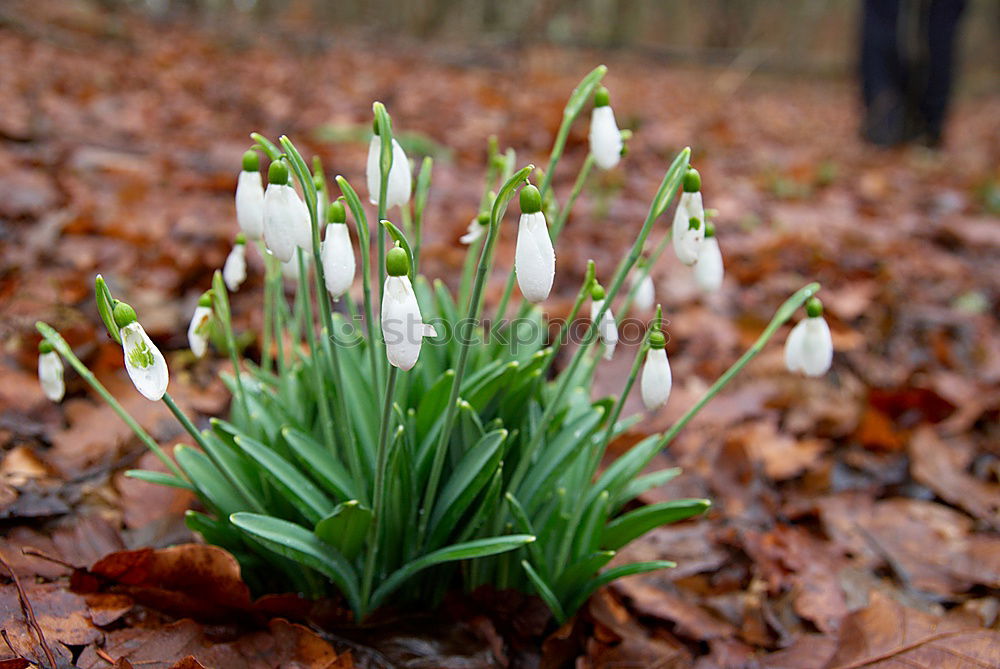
(882, 77)
(942, 29)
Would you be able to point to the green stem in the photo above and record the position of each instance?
(378, 493)
(223, 312)
(641, 274)
(325, 418)
(265, 345)
(581, 179)
(59, 344)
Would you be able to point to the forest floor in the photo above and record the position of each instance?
(856, 517)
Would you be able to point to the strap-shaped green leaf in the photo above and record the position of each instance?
(299, 544)
(671, 182)
(398, 236)
(346, 528)
(212, 485)
(576, 575)
(159, 478)
(614, 574)
(266, 145)
(634, 524)
(106, 307)
(640, 485)
(293, 484)
(327, 468)
(583, 92)
(545, 592)
(556, 454)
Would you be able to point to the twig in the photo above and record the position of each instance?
(29, 613)
(34, 552)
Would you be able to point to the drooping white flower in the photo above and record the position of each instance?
(398, 190)
(201, 322)
(303, 226)
(283, 214)
(234, 271)
(605, 138)
(403, 328)
(606, 329)
(657, 379)
(337, 256)
(645, 293)
(143, 361)
(477, 228)
(689, 227)
(534, 257)
(250, 197)
(809, 347)
(708, 271)
(50, 372)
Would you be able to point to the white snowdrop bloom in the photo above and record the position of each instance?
(708, 271)
(477, 228)
(656, 377)
(687, 239)
(403, 328)
(534, 257)
(282, 214)
(200, 326)
(607, 329)
(398, 190)
(250, 197)
(337, 256)
(234, 271)
(809, 347)
(605, 138)
(50, 372)
(303, 226)
(645, 294)
(143, 361)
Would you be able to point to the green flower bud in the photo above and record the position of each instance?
(206, 299)
(335, 212)
(597, 292)
(397, 263)
(240, 239)
(657, 340)
(692, 181)
(601, 97)
(44, 346)
(124, 314)
(814, 308)
(709, 230)
(483, 218)
(531, 200)
(251, 161)
(277, 173)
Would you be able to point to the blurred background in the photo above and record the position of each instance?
(122, 124)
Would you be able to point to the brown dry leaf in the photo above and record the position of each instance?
(782, 455)
(941, 466)
(62, 616)
(620, 641)
(647, 596)
(890, 636)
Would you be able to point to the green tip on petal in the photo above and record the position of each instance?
(602, 98)
(206, 299)
(597, 292)
(251, 161)
(277, 173)
(814, 308)
(692, 181)
(45, 346)
(124, 314)
(397, 263)
(709, 230)
(531, 200)
(335, 212)
(694, 223)
(240, 239)
(656, 340)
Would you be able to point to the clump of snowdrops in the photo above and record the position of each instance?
(360, 459)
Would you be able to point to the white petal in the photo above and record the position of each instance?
(281, 216)
(473, 232)
(403, 328)
(656, 379)
(198, 330)
(793, 347)
(144, 362)
(372, 174)
(234, 272)
(337, 255)
(398, 192)
(605, 138)
(687, 241)
(817, 347)
(50, 375)
(534, 258)
(303, 225)
(250, 204)
(607, 330)
(290, 269)
(645, 294)
(708, 271)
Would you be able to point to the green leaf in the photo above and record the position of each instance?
(545, 592)
(106, 307)
(218, 532)
(159, 478)
(328, 470)
(384, 124)
(584, 91)
(433, 403)
(588, 534)
(210, 482)
(614, 574)
(634, 524)
(423, 187)
(464, 551)
(293, 484)
(522, 521)
(357, 210)
(238, 469)
(671, 182)
(640, 485)
(299, 544)
(555, 455)
(346, 528)
(577, 574)
(266, 145)
(625, 468)
(398, 236)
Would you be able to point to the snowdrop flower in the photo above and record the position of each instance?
(143, 361)
(290, 269)
(234, 272)
(403, 328)
(398, 190)
(605, 138)
(201, 324)
(50, 372)
(337, 254)
(656, 377)
(645, 291)
(534, 257)
(250, 197)
(689, 220)
(286, 217)
(607, 329)
(708, 271)
(809, 347)
(476, 229)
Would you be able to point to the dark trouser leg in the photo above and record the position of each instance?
(883, 79)
(942, 29)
